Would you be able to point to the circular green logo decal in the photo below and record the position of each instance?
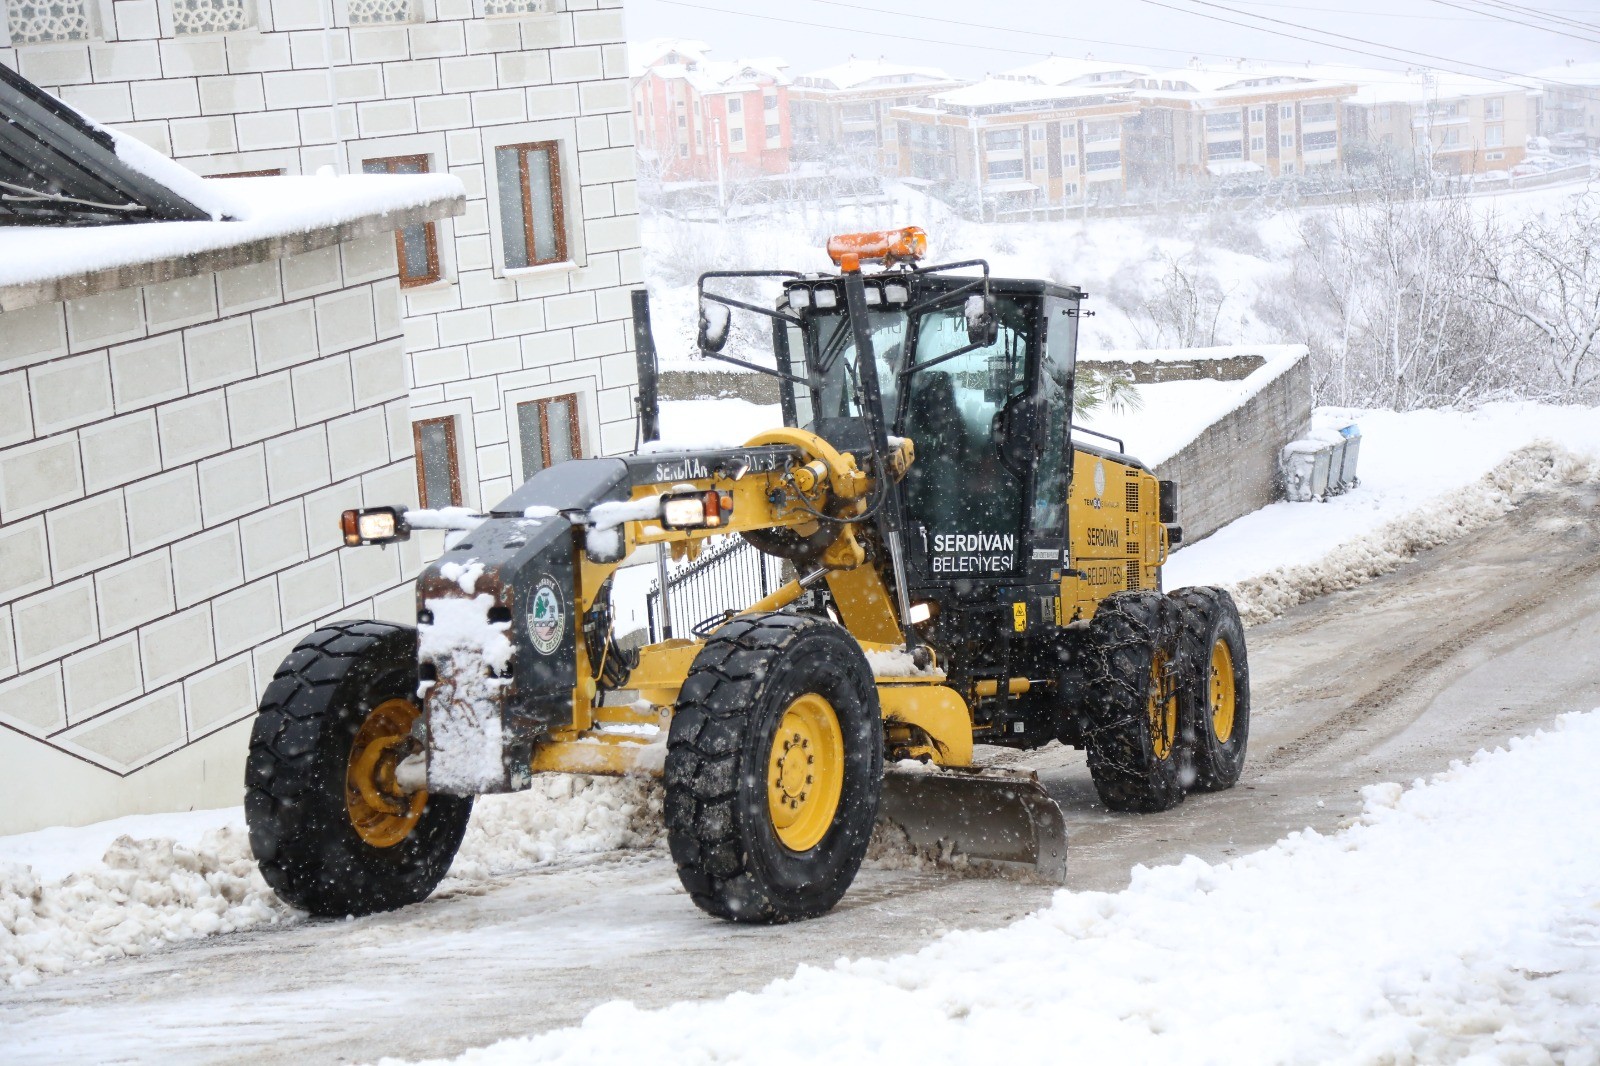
(547, 619)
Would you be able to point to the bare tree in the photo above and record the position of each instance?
(1547, 274)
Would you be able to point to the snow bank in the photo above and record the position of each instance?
(1531, 469)
(1451, 923)
(67, 900)
(1426, 477)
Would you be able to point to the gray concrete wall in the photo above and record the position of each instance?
(1231, 468)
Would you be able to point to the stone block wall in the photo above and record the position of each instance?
(449, 83)
(1231, 468)
(173, 461)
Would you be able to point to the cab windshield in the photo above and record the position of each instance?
(831, 355)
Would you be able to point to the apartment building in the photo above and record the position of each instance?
(1197, 122)
(516, 313)
(1570, 112)
(1018, 146)
(1450, 123)
(844, 110)
(702, 120)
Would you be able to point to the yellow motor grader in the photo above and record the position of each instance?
(965, 571)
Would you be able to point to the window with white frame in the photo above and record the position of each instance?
(1093, 161)
(1003, 140)
(1258, 144)
(1005, 169)
(1258, 114)
(735, 105)
(1494, 107)
(1036, 133)
(1286, 112)
(1320, 141)
(1319, 112)
(55, 20)
(736, 135)
(1285, 140)
(1220, 150)
(1038, 162)
(547, 432)
(774, 131)
(533, 222)
(381, 12)
(1108, 130)
(1494, 136)
(1226, 120)
(195, 17)
(770, 102)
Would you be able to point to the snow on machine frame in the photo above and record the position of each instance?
(964, 572)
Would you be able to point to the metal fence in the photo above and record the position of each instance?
(729, 577)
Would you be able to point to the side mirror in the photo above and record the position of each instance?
(983, 321)
(714, 320)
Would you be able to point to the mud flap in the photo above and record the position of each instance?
(1002, 818)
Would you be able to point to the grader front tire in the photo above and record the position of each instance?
(332, 832)
(773, 770)
(1135, 666)
(1216, 696)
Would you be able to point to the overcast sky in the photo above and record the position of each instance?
(972, 37)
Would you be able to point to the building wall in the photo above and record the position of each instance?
(173, 461)
(450, 86)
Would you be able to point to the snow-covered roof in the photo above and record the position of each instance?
(271, 217)
(994, 92)
(642, 55)
(1236, 80)
(1379, 86)
(1584, 74)
(870, 74)
(725, 76)
(1060, 70)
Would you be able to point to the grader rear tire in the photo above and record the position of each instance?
(1135, 661)
(1216, 693)
(773, 770)
(330, 829)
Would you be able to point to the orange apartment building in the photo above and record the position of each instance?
(1018, 146)
(1200, 122)
(845, 109)
(1453, 123)
(697, 119)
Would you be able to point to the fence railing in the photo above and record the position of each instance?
(729, 577)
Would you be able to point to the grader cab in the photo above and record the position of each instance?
(964, 572)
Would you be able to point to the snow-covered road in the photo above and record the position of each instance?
(1487, 638)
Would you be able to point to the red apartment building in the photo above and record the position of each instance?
(691, 113)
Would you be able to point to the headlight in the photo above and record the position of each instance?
(896, 294)
(701, 510)
(799, 299)
(826, 299)
(378, 525)
(874, 296)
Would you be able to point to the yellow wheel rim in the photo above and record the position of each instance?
(1222, 694)
(805, 772)
(1163, 707)
(383, 814)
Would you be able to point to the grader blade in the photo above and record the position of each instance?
(1002, 819)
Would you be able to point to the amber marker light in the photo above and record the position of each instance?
(890, 246)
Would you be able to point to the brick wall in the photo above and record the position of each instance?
(450, 86)
(173, 459)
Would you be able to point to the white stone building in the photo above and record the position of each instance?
(516, 313)
(185, 408)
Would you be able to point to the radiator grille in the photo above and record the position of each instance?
(1133, 575)
(1133, 496)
